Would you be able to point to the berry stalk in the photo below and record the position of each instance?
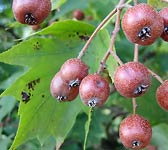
(95, 32)
(113, 37)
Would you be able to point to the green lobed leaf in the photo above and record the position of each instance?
(40, 115)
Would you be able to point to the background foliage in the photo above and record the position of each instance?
(29, 59)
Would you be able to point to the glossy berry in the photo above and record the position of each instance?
(61, 90)
(142, 24)
(73, 71)
(164, 15)
(132, 79)
(94, 90)
(135, 132)
(162, 95)
(78, 14)
(31, 12)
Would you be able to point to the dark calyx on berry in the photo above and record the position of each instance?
(144, 33)
(92, 102)
(74, 83)
(142, 88)
(135, 144)
(61, 98)
(30, 19)
(166, 29)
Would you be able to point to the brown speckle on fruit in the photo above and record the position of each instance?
(132, 79)
(142, 24)
(135, 132)
(94, 90)
(61, 90)
(164, 14)
(162, 95)
(31, 12)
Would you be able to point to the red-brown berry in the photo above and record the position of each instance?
(61, 90)
(78, 14)
(162, 95)
(142, 24)
(164, 15)
(73, 71)
(94, 90)
(31, 12)
(132, 79)
(135, 132)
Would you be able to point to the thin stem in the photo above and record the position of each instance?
(134, 104)
(95, 32)
(136, 53)
(113, 37)
(87, 127)
(135, 2)
(156, 76)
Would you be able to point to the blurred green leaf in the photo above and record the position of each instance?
(6, 105)
(159, 4)
(160, 136)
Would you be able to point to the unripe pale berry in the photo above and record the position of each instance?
(164, 15)
(162, 95)
(132, 79)
(142, 24)
(135, 132)
(61, 90)
(94, 90)
(31, 12)
(73, 71)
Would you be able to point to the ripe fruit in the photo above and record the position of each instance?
(162, 95)
(164, 15)
(31, 12)
(135, 132)
(61, 90)
(94, 90)
(78, 14)
(142, 24)
(132, 79)
(73, 71)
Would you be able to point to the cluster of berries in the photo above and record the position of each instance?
(73, 78)
(142, 25)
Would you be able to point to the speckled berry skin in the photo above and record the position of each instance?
(132, 79)
(162, 95)
(31, 12)
(94, 90)
(164, 15)
(73, 71)
(135, 132)
(142, 16)
(61, 90)
(78, 14)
